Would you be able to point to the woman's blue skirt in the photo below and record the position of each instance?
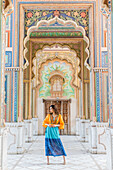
(53, 143)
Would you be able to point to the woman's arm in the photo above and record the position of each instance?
(61, 122)
(46, 121)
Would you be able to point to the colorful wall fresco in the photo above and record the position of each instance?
(81, 17)
(68, 91)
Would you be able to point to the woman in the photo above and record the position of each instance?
(53, 145)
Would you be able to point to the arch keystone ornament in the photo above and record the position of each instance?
(53, 29)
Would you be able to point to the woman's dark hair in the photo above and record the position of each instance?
(55, 109)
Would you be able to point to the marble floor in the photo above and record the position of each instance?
(78, 157)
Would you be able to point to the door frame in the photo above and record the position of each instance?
(69, 111)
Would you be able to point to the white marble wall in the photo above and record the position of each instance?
(97, 137)
(16, 138)
(109, 148)
(3, 149)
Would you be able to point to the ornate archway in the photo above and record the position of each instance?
(65, 34)
(55, 26)
(70, 56)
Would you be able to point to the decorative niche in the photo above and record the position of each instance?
(56, 81)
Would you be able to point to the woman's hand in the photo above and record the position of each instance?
(50, 125)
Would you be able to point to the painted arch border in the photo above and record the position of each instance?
(20, 6)
(47, 23)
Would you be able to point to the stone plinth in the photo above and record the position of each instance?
(87, 124)
(16, 138)
(35, 126)
(93, 137)
(28, 130)
(84, 130)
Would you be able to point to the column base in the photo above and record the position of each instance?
(84, 130)
(28, 130)
(87, 124)
(97, 137)
(3, 149)
(109, 148)
(78, 126)
(92, 137)
(16, 138)
(35, 126)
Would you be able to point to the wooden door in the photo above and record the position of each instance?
(63, 107)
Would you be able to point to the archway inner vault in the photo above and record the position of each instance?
(70, 56)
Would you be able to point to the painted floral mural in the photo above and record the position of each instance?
(81, 17)
(68, 91)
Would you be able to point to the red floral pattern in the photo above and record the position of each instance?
(29, 15)
(56, 13)
(83, 14)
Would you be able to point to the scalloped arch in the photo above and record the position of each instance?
(70, 57)
(46, 23)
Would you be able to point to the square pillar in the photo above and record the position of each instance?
(93, 137)
(84, 130)
(87, 124)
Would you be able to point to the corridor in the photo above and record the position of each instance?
(78, 157)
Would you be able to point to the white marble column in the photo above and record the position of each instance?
(28, 130)
(73, 114)
(93, 137)
(41, 115)
(35, 126)
(78, 126)
(87, 124)
(84, 130)
(4, 12)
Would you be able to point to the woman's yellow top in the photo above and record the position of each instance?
(49, 120)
